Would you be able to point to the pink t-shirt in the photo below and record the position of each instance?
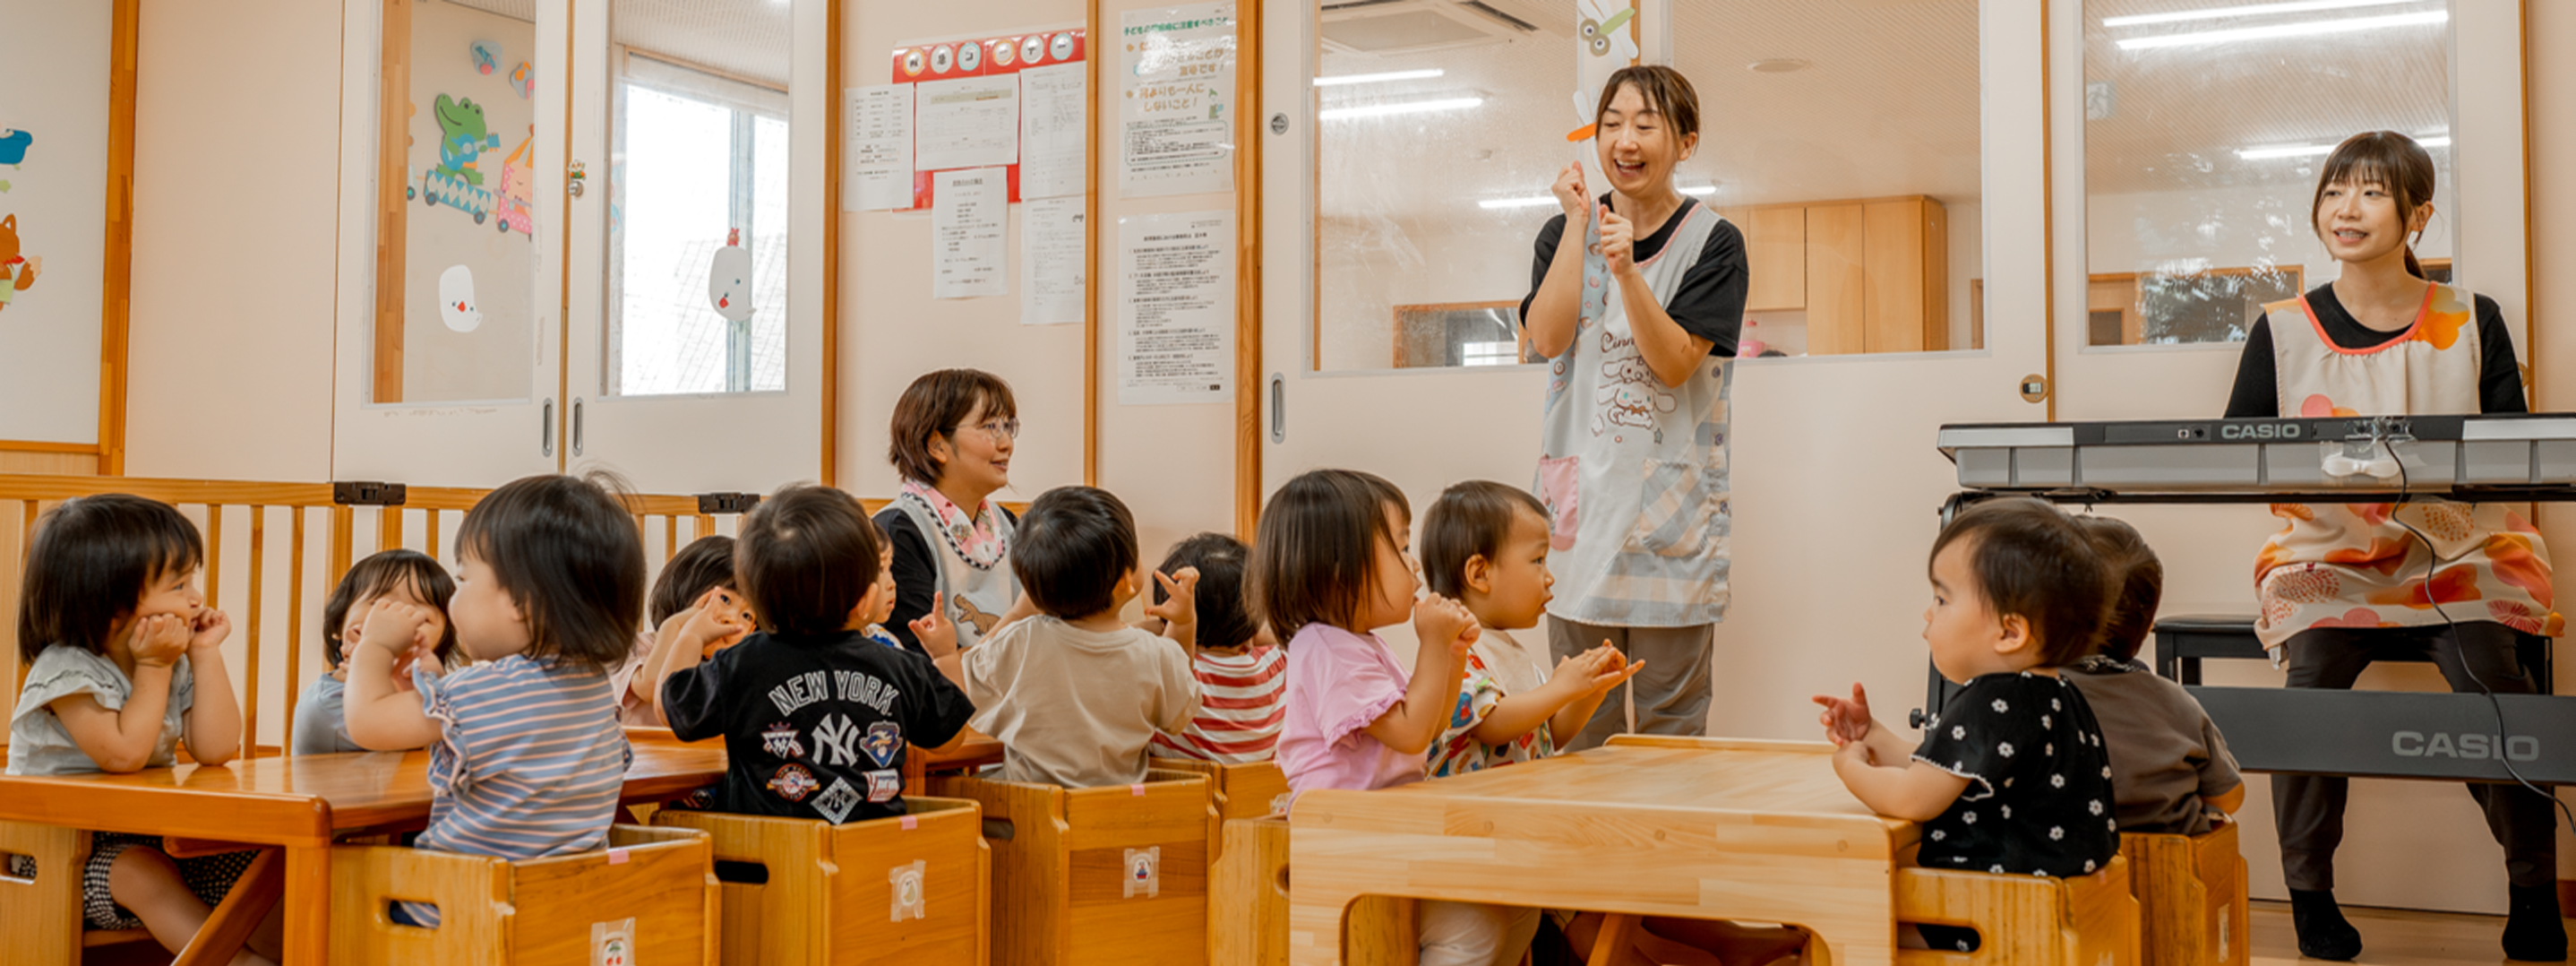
(1339, 682)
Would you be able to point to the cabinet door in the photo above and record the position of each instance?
(1893, 253)
(1775, 253)
(1837, 279)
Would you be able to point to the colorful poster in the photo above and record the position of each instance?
(924, 63)
(1176, 100)
(1176, 308)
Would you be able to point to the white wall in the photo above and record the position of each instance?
(54, 61)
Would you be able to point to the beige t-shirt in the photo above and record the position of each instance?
(1077, 708)
(2167, 757)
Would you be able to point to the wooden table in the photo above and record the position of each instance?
(298, 803)
(976, 751)
(1700, 828)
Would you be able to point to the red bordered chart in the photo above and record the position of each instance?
(955, 98)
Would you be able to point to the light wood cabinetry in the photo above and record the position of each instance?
(1872, 275)
(1775, 252)
(1837, 279)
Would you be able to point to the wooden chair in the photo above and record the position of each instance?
(1096, 875)
(42, 916)
(915, 889)
(652, 890)
(2023, 920)
(1240, 791)
(1248, 906)
(2191, 897)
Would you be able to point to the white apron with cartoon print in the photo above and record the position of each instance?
(975, 594)
(1633, 472)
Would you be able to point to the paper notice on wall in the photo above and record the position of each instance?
(1176, 308)
(966, 123)
(1176, 103)
(968, 256)
(1053, 260)
(1054, 122)
(880, 149)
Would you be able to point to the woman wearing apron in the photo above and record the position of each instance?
(2343, 584)
(953, 432)
(1638, 319)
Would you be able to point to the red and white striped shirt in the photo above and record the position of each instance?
(1241, 705)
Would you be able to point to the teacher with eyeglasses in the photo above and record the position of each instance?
(952, 438)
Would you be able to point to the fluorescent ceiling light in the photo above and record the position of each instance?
(1393, 75)
(2255, 10)
(1534, 201)
(1399, 107)
(2317, 150)
(2305, 28)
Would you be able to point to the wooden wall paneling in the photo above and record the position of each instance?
(393, 152)
(1892, 258)
(50, 459)
(1836, 284)
(118, 266)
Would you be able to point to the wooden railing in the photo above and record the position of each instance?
(244, 574)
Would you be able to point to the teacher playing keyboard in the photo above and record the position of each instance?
(2345, 583)
(1638, 320)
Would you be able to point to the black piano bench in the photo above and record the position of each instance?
(2181, 643)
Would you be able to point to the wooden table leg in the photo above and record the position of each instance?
(308, 905)
(1616, 928)
(249, 901)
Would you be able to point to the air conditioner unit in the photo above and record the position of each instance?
(1406, 26)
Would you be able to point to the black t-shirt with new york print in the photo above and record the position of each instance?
(2038, 800)
(814, 726)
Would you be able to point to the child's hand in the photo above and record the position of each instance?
(1856, 752)
(158, 640)
(714, 623)
(1846, 722)
(937, 635)
(1180, 598)
(1437, 618)
(209, 630)
(422, 654)
(1597, 670)
(397, 627)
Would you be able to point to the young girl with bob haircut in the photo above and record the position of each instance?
(695, 603)
(526, 758)
(321, 723)
(2343, 584)
(1330, 567)
(124, 659)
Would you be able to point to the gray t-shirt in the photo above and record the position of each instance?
(2167, 757)
(38, 742)
(322, 719)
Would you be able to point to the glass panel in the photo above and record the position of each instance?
(2205, 123)
(697, 217)
(468, 272)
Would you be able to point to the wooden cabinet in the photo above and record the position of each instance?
(1775, 253)
(1871, 275)
(1837, 279)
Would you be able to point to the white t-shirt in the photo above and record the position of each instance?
(1077, 708)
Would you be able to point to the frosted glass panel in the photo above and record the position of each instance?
(469, 258)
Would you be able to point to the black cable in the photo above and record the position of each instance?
(2432, 561)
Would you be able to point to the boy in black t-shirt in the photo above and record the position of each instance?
(2011, 776)
(815, 716)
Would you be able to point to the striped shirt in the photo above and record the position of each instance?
(1241, 705)
(529, 762)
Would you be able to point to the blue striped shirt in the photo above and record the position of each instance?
(529, 762)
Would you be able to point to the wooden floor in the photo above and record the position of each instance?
(2389, 938)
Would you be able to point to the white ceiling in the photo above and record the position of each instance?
(749, 39)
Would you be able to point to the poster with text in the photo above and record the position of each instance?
(1176, 308)
(969, 104)
(1176, 100)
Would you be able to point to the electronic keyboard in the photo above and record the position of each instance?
(2512, 457)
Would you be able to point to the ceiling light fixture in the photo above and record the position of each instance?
(1399, 107)
(1533, 201)
(2316, 150)
(1392, 75)
(2254, 10)
(2305, 28)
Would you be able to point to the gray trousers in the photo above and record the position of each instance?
(2309, 808)
(1671, 694)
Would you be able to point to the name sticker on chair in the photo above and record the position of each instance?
(910, 823)
(612, 943)
(1136, 790)
(911, 901)
(1144, 872)
(617, 856)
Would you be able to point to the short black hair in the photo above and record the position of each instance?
(1225, 619)
(1469, 520)
(2034, 563)
(704, 565)
(805, 558)
(1314, 560)
(1071, 548)
(383, 573)
(92, 560)
(934, 405)
(569, 553)
(2137, 583)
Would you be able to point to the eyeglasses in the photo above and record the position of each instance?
(999, 429)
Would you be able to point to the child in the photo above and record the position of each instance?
(2011, 776)
(2169, 764)
(1484, 544)
(526, 758)
(409, 576)
(1242, 679)
(119, 647)
(1329, 568)
(1073, 694)
(886, 591)
(694, 601)
(815, 717)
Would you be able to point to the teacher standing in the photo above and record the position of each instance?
(1638, 324)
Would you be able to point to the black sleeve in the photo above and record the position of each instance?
(916, 575)
(938, 709)
(1548, 237)
(1975, 735)
(1710, 302)
(2499, 376)
(2258, 379)
(693, 699)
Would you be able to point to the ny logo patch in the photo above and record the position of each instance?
(779, 740)
(836, 802)
(836, 741)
